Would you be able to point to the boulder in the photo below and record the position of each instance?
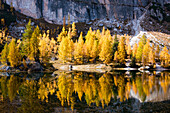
(35, 67)
(7, 68)
(100, 25)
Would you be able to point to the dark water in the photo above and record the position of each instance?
(85, 92)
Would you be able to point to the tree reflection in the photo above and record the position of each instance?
(106, 89)
(70, 88)
(28, 95)
(121, 88)
(4, 90)
(165, 81)
(13, 86)
(65, 89)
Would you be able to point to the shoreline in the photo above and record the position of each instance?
(98, 68)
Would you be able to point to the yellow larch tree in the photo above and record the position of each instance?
(121, 51)
(62, 35)
(102, 38)
(106, 51)
(139, 52)
(69, 33)
(107, 34)
(14, 56)
(70, 49)
(127, 42)
(79, 52)
(145, 54)
(94, 52)
(4, 54)
(135, 46)
(89, 43)
(103, 31)
(98, 35)
(74, 31)
(65, 49)
(116, 56)
(129, 50)
(164, 56)
(157, 52)
(52, 45)
(34, 46)
(43, 47)
(151, 57)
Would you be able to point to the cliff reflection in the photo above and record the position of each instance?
(68, 89)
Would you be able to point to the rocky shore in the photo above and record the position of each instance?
(32, 67)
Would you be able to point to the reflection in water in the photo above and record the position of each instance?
(69, 89)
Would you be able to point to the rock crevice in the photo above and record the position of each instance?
(82, 10)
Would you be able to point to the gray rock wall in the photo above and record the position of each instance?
(81, 10)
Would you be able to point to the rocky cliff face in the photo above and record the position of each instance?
(82, 10)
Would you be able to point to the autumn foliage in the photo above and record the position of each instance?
(94, 47)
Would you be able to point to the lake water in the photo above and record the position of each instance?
(65, 92)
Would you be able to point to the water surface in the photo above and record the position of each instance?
(85, 92)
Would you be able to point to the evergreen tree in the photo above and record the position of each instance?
(14, 55)
(140, 51)
(115, 44)
(133, 62)
(12, 8)
(26, 44)
(34, 55)
(4, 54)
(143, 39)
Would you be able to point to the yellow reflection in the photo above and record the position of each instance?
(98, 89)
